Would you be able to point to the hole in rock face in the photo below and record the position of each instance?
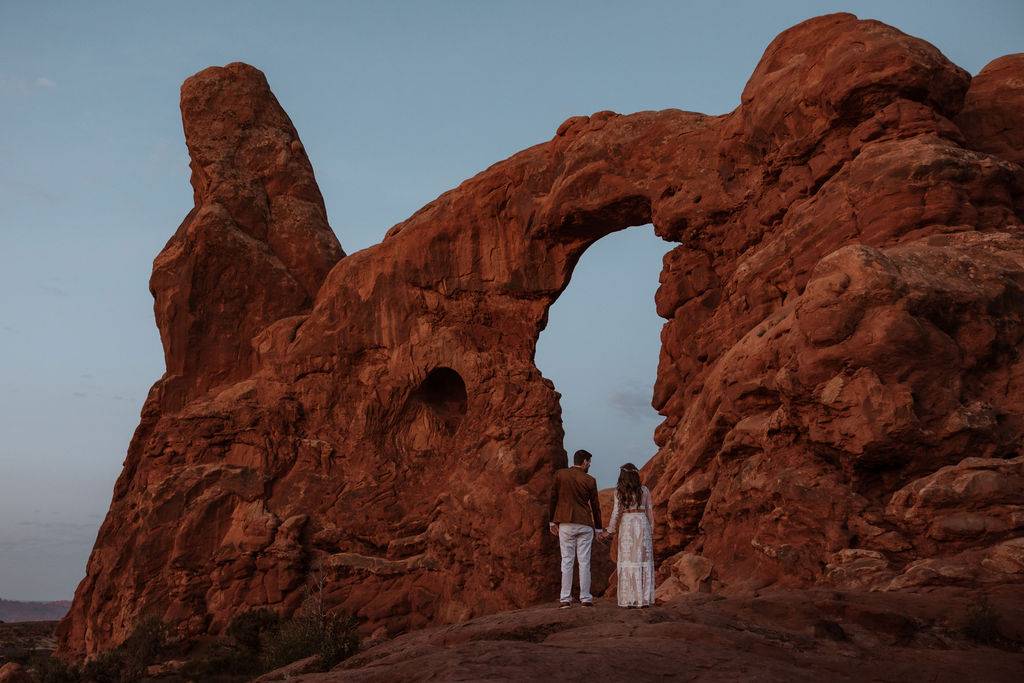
(601, 348)
(443, 392)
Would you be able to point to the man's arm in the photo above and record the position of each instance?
(552, 526)
(595, 505)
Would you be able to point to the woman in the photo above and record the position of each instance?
(633, 522)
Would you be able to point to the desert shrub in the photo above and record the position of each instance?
(54, 670)
(126, 663)
(312, 631)
(249, 628)
(237, 656)
(983, 623)
(257, 641)
(340, 640)
(222, 662)
(254, 642)
(18, 655)
(112, 666)
(146, 644)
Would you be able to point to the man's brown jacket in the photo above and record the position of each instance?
(574, 498)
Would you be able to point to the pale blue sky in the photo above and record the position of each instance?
(395, 102)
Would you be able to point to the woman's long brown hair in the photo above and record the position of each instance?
(628, 489)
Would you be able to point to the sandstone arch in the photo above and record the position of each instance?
(844, 315)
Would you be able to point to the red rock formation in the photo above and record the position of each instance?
(12, 672)
(256, 247)
(862, 335)
(844, 310)
(990, 118)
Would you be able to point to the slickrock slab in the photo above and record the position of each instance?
(811, 635)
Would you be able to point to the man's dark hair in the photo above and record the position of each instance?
(579, 456)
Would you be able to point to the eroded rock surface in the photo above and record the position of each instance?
(840, 374)
(797, 635)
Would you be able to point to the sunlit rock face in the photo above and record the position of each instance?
(840, 376)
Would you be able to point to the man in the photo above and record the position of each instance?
(575, 512)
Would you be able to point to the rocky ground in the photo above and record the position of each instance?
(21, 637)
(943, 634)
(948, 634)
(19, 642)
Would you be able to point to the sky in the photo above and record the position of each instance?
(396, 102)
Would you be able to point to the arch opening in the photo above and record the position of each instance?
(601, 347)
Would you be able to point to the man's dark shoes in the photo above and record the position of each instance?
(587, 604)
(564, 605)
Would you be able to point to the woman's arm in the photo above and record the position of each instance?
(616, 512)
(648, 507)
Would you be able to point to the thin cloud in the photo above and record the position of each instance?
(57, 526)
(79, 394)
(641, 453)
(27, 535)
(51, 289)
(18, 86)
(23, 545)
(26, 190)
(632, 400)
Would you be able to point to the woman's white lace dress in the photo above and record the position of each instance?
(635, 569)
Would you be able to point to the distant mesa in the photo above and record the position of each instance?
(15, 611)
(840, 379)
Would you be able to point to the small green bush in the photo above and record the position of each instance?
(222, 662)
(54, 670)
(257, 641)
(146, 644)
(313, 631)
(249, 628)
(18, 655)
(126, 663)
(983, 623)
(112, 666)
(236, 657)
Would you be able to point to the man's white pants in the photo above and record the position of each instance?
(575, 541)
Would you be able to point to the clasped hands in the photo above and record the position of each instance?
(600, 535)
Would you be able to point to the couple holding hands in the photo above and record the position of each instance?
(574, 505)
